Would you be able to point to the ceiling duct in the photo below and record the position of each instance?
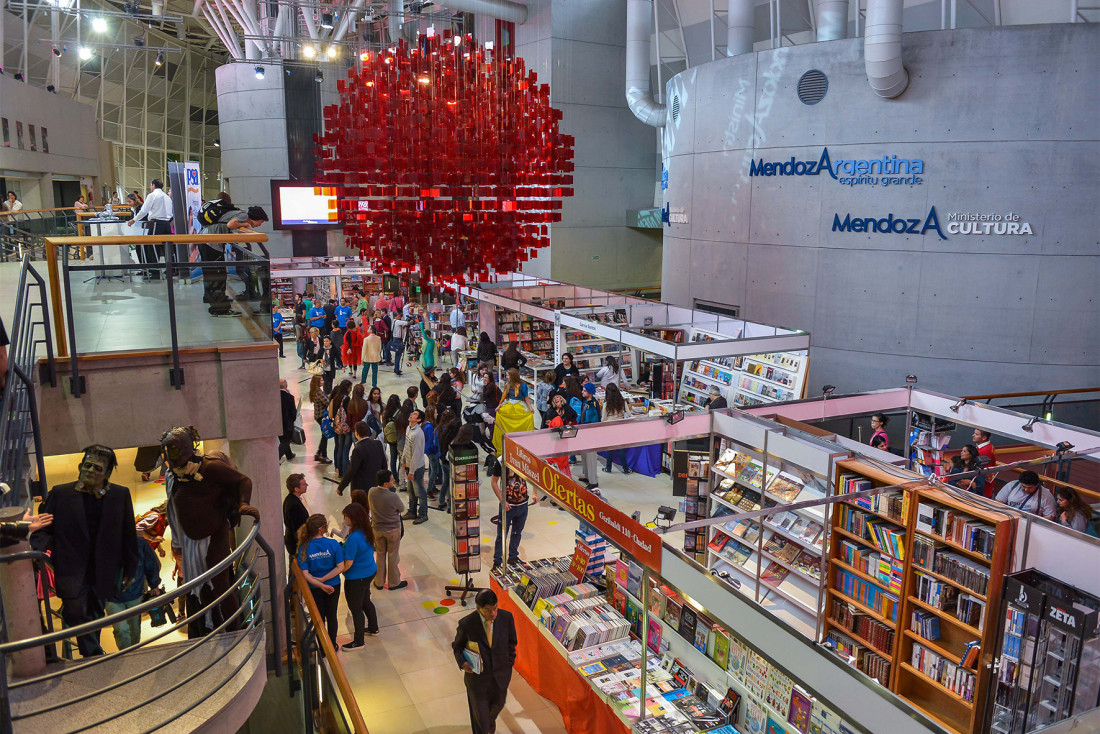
(740, 27)
(639, 26)
(882, 48)
(832, 20)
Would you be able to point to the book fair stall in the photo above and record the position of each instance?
(795, 573)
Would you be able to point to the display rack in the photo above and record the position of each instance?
(695, 504)
(534, 335)
(777, 562)
(744, 381)
(465, 519)
(1048, 665)
(589, 352)
(282, 289)
(928, 439)
(367, 283)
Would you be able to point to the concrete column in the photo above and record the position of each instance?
(252, 129)
(21, 609)
(259, 459)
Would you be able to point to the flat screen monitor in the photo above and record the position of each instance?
(301, 205)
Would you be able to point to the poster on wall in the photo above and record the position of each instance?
(193, 200)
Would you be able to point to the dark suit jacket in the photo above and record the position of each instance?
(500, 659)
(115, 544)
(367, 459)
(289, 409)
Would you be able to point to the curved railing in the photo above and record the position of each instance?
(319, 667)
(243, 627)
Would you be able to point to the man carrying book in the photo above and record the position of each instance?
(485, 650)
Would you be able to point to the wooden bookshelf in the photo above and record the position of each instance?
(961, 713)
(837, 562)
(955, 711)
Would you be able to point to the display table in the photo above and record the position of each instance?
(641, 459)
(109, 255)
(544, 664)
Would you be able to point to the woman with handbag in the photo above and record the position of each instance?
(320, 414)
(389, 429)
(330, 360)
(375, 406)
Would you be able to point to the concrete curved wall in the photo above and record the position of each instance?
(1004, 122)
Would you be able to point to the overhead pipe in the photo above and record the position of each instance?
(740, 27)
(639, 97)
(832, 20)
(394, 20)
(882, 48)
(345, 21)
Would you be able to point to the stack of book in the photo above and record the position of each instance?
(884, 535)
(878, 634)
(582, 623)
(873, 665)
(970, 574)
(541, 581)
(926, 624)
(868, 594)
(935, 593)
(597, 544)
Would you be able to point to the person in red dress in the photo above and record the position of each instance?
(353, 346)
(985, 448)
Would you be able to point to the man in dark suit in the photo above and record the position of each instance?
(290, 414)
(367, 459)
(491, 633)
(93, 541)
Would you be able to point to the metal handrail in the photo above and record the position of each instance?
(299, 587)
(248, 576)
(19, 402)
(1031, 394)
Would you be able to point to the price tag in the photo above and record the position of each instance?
(580, 561)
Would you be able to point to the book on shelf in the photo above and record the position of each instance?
(844, 615)
(688, 620)
(785, 486)
(882, 534)
(808, 564)
(971, 574)
(926, 624)
(935, 593)
(866, 593)
(774, 574)
(951, 676)
(704, 628)
(957, 527)
(799, 711)
(782, 548)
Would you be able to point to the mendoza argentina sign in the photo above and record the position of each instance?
(632, 537)
(889, 170)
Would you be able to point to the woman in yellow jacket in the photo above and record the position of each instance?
(372, 355)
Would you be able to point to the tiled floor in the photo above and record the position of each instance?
(405, 679)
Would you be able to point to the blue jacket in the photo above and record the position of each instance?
(148, 571)
(431, 440)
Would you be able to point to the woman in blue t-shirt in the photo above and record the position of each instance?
(321, 560)
(359, 568)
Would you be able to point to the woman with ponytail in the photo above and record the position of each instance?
(321, 560)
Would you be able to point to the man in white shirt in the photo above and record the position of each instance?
(457, 318)
(1027, 494)
(397, 342)
(157, 211)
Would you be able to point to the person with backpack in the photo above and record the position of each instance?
(389, 429)
(338, 413)
(588, 414)
(221, 217)
(382, 328)
(320, 414)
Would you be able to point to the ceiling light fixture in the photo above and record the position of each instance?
(57, 52)
(318, 77)
(217, 143)
(1029, 426)
(259, 72)
(99, 25)
(326, 20)
(160, 59)
(309, 51)
(331, 52)
(85, 53)
(423, 80)
(962, 401)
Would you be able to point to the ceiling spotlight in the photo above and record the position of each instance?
(331, 52)
(57, 52)
(326, 20)
(318, 77)
(160, 59)
(1029, 426)
(99, 25)
(666, 515)
(309, 51)
(828, 390)
(364, 55)
(1063, 447)
(911, 379)
(565, 431)
(961, 403)
(259, 72)
(217, 143)
(139, 41)
(85, 53)
(51, 88)
(675, 416)
(423, 80)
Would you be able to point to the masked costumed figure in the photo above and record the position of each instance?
(206, 500)
(93, 543)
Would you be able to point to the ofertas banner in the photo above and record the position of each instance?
(619, 529)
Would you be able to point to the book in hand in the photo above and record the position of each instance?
(474, 659)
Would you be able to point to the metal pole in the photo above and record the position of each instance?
(75, 384)
(645, 637)
(712, 49)
(176, 375)
(273, 589)
(909, 429)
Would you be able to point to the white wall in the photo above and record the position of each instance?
(71, 135)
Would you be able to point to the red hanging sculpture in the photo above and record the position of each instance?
(447, 162)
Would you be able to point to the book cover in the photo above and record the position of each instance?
(756, 721)
(703, 629)
(799, 713)
(775, 727)
(688, 619)
(653, 636)
(774, 574)
(721, 648)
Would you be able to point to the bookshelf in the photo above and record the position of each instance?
(534, 335)
(589, 352)
(913, 575)
(778, 561)
(744, 381)
(282, 290)
(959, 556)
(866, 574)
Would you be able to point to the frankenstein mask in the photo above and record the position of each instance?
(94, 470)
